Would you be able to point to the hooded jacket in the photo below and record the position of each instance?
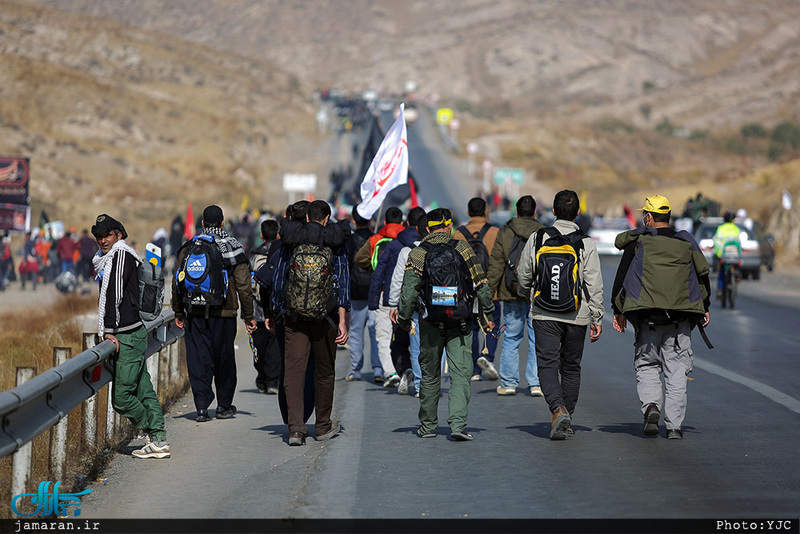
(382, 277)
(521, 227)
(364, 255)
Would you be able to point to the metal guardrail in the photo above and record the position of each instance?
(33, 407)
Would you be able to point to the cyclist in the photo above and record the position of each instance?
(728, 235)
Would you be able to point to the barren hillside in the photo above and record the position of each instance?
(702, 64)
(121, 119)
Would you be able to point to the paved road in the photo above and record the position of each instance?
(737, 459)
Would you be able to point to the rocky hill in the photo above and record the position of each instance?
(122, 119)
(702, 64)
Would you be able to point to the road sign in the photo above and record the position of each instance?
(444, 116)
(300, 183)
(507, 175)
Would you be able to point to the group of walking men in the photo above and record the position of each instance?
(422, 291)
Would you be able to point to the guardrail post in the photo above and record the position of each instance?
(89, 405)
(58, 433)
(111, 415)
(174, 362)
(21, 460)
(163, 367)
(152, 369)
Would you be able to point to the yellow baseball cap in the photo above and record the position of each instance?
(656, 204)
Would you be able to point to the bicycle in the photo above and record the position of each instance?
(729, 263)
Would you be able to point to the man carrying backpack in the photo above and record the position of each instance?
(400, 345)
(132, 394)
(504, 283)
(212, 279)
(267, 358)
(317, 299)
(663, 302)
(560, 270)
(481, 236)
(446, 274)
(367, 257)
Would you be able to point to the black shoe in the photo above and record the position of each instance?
(461, 435)
(335, 428)
(651, 418)
(297, 439)
(226, 413)
(421, 433)
(261, 387)
(674, 433)
(202, 416)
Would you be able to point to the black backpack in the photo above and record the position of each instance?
(448, 292)
(360, 277)
(558, 284)
(511, 280)
(310, 283)
(202, 277)
(478, 246)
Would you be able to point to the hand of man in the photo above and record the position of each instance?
(489, 326)
(393, 313)
(343, 336)
(269, 324)
(179, 322)
(619, 323)
(250, 325)
(595, 331)
(114, 340)
(707, 319)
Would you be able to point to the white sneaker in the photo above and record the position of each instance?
(152, 450)
(408, 378)
(506, 391)
(536, 391)
(488, 368)
(475, 378)
(392, 381)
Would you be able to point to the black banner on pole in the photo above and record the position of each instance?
(14, 178)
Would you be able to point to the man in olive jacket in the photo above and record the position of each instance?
(210, 354)
(503, 283)
(662, 287)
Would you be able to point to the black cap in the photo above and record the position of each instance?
(105, 223)
(212, 215)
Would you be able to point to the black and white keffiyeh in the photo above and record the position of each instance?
(102, 266)
(232, 251)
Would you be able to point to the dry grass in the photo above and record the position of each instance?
(27, 339)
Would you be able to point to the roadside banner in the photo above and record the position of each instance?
(388, 170)
(15, 200)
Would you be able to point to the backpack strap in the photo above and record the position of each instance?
(468, 236)
(484, 230)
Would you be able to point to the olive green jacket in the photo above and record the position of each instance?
(518, 226)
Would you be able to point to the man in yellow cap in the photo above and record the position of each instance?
(663, 302)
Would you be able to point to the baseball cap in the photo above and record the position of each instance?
(656, 204)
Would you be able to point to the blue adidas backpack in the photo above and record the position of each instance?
(202, 277)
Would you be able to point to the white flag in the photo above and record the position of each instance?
(786, 200)
(388, 170)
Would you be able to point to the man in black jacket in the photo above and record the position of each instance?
(132, 394)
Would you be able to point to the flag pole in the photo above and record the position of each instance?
(378, 219)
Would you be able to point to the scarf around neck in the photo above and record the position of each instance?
(232, 251)
(102, 265)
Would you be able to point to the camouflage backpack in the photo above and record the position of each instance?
(310, 283)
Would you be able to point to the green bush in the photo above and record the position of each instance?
(648, 86)
(612, 125)
(753, 130)
(736, 145)
(665, 127)
(787, 133)
(774, 151)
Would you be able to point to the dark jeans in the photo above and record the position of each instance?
(491, 342)
(301, 338)
(559, 349)
(210, 357)
(268, 357)
(400, 348)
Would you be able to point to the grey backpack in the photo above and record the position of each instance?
(151, 290)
